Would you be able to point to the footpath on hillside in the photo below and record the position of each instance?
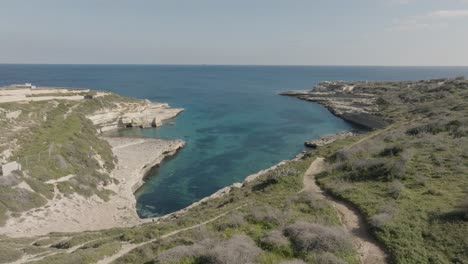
(369, 250)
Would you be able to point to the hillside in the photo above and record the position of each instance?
(407, 178)
(58, 170)
(410, 180)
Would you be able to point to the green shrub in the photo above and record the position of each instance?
(274, 240)
(307, 237)
(326, 258)
(20, 200)
(373, 169)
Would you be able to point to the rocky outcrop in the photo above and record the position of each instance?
(327, 139)
(140, 114)
(353, 102)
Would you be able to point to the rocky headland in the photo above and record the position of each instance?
(129, 114)
(59, 174)
(328, 139)
(351, 101)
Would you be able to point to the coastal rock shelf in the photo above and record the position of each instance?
(348, 100)
(328, 139)
(140, 114)
(58, 173)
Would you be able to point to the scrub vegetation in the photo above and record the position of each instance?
(408, 180)
(50, 140)
(267, 221)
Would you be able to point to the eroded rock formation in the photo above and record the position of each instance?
(141, 114)
(350, 101)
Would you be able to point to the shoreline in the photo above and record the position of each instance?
(330, 138)
(221, 192)
(136, 157)
(348, 102)
(73, 212)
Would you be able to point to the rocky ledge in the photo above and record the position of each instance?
(328, 139)
(133, 114)
(352, 101)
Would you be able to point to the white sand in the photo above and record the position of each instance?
(76, 213)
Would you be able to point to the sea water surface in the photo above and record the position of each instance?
(234, 122)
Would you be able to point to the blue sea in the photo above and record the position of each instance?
(234, 122)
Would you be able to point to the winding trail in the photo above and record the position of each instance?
(368, 248)
(126, 248)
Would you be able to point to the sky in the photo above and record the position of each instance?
(257, 32)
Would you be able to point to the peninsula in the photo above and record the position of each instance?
(60, 173)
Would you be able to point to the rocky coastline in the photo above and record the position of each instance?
(328, 139)
(221, 192)
(133, 158)
(75, 213)
(124, 115)
(351, 101)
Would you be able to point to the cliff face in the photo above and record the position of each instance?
(53, 159)
(133, 114)
(353, 102)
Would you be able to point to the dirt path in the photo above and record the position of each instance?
(126, 248)
(369, 250)
(43, 255)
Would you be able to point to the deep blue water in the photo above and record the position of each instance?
(234, 122)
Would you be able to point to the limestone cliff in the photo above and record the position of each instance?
(133, 114)
(350, 101)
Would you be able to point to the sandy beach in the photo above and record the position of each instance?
(136, 156)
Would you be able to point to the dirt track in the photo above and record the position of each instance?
(369, 250)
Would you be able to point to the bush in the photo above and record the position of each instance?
(374, 169)
(391, 151)
(234, 220)
(307, 237)
(396, 189)
(379, 220)
(175, 254)
(270, 180)
(9, 180)
(265, 215)
(19, 199)
(310, 199)
(342, 155)
(460, 212)
(435, 128)
(385, 214)
(274, 240)
(328, 258)
(420, 180)
(238, 249)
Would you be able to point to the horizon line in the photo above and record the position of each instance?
(244, 65)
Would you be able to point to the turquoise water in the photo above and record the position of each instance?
(234, 122)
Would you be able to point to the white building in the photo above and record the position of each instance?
(26, 85)
(8, 168)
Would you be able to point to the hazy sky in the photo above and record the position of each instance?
(310, 32)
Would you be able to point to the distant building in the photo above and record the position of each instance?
(8, 168)
(348, 88)
(88, 96)
(26, 85)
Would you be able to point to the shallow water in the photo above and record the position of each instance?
(234, 122)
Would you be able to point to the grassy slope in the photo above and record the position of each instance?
(268, 204)
(410, 180)
(57, 140)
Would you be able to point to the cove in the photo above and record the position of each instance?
(234, 123)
